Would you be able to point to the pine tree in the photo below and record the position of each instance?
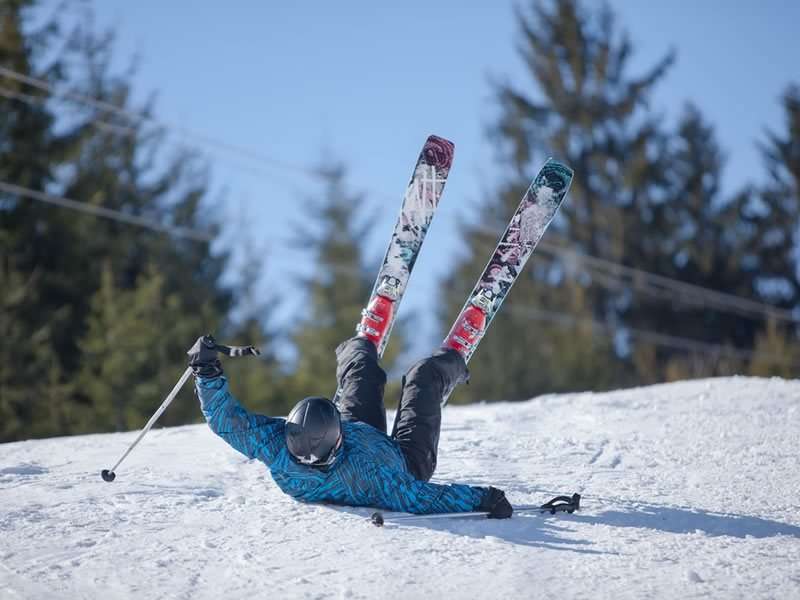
(34, 394)
(259, 382)
(132, 354)
(338, 288)
(773, 215)
(586, 108)
(34, 382)
(777, 215)
(117, 352)
(777, 353)
(744, 245)
(687, 237)
(646, 196)
(55, 258)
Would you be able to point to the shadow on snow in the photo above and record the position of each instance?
(555, 533)
(689, 520)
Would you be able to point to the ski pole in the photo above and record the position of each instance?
(109, 474)
(568, 504)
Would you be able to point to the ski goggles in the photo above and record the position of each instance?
(327, 461)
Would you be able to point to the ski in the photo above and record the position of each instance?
(529, 222)
(567, 504)
(416, 213)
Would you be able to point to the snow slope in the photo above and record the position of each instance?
(690, 490)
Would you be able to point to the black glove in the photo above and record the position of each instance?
(203, 358)
(495, 503)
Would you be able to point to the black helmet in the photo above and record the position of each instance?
(314, 431)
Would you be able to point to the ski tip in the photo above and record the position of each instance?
(438, 152)
(437, 139)
(377, 519)
(551, 163)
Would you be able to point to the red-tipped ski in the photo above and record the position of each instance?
(419, 205)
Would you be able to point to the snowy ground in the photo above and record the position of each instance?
(690, 490)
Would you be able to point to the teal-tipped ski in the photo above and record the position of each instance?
(527, 225)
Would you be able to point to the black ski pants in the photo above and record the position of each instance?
(419, 416)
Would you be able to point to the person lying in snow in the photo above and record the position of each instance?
(340, 453)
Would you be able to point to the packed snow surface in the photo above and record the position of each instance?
(689, 490)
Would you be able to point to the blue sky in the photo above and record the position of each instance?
(367, 82)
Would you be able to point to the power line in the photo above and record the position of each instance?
(131, 130)
(645, 281)
(687, 291)
(106, 213)
(551, 317)
(209, 142)
(565, 320)
(660, 286)
(648, 282)
(107, 107)
(27, 98)
(206, 140)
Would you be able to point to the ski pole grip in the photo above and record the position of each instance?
(238, 350)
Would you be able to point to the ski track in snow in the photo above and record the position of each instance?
(690, 490)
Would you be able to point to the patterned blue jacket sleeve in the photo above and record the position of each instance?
(400, 491)
(255, 436)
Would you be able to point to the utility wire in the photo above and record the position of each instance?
(563, 320)
(142, 118)
(660, 286)
(686, 291)
(566, 320)
(645, 281)
(658, 283)
(130, 130)
(106, 213)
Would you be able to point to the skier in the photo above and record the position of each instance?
(340, 453)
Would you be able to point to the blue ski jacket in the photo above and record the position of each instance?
(369, 471)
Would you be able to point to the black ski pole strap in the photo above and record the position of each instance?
(568, 504)
(238, 350)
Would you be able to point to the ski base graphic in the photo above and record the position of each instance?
(527, 225)
(419, 205)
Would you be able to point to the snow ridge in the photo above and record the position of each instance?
(689, 490)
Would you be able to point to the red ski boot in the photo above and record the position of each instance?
(377, 318)
(468, 328)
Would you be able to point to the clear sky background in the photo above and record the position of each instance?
(366, 82)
